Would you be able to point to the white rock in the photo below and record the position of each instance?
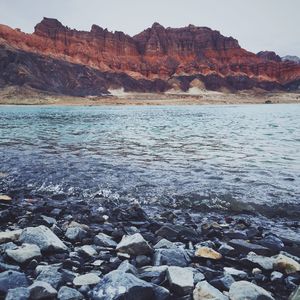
(24, 253)
(286, 264)
(181, 280)
(86, 279)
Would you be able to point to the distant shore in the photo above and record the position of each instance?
(20, 96)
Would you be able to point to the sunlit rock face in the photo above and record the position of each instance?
(157, 53)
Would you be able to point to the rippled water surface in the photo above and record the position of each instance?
(202, 155)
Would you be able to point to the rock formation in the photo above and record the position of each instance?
(58, 59)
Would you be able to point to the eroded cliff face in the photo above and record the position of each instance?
(157, 54)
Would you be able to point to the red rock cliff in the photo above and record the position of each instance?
(157, 52)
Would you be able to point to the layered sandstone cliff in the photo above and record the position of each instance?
(157, 59)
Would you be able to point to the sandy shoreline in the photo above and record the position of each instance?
(12, 96)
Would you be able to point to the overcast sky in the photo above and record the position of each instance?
(257, 24)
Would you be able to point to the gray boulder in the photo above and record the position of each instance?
(259, 261)
(118, 285)
(43, 237)
(134, 245)
(66, 293)
(11, 280)
(242, 290)
(181, 280)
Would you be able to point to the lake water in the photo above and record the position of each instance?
(200, 156)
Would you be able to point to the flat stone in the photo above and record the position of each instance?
(181, 280)
(205, 291)
(245, 247)
(286, 264)
(207, 252)
(12, 280)
(75, 234)
(20, 293)
(24, 253)
(242, 290)
(104, 240)
(171, 257)
(42, 290)
(10, 236)
(255, 260)
(86, 279)
(134, 245)
(67, 293)
(42, 237)
(118, 285)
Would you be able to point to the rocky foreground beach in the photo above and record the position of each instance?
(104, 250)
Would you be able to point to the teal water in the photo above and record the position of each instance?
(216, 156)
